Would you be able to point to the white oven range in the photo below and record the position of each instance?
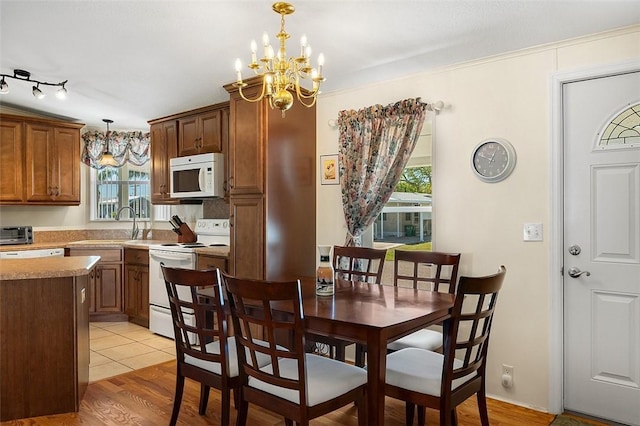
(210, 232)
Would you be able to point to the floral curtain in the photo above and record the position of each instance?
(375, 146)
(125, 146)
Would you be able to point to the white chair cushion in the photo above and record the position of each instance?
(214, 347)
(326, 379)
(429, 340)
(420, 371)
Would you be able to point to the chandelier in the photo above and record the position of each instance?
(23, 75)
(281, 75)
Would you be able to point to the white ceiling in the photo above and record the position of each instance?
(132, 61)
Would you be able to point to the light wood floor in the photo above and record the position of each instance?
(145, 397)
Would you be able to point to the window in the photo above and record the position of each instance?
(116, 187)
(408, 212)
(622, 131)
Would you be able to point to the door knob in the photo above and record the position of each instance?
(576, 272)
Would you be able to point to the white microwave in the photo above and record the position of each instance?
(197, 176)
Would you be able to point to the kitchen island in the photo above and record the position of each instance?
(44, 335)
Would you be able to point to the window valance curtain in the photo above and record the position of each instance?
(375, 145)
(132, 147)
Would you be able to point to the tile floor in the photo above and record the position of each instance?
(120, 347)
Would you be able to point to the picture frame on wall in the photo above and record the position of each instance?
(329, 169)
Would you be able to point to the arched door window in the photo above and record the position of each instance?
(622, 131)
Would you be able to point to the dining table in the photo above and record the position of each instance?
(371, 314)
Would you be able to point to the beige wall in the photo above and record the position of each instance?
(506, 96)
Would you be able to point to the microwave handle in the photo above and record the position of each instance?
(201, 178)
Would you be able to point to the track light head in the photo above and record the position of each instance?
(4, 87)
(37, 92)
(61, 93)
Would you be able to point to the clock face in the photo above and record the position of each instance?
(493, 160)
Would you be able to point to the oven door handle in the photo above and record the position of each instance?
(165, 256)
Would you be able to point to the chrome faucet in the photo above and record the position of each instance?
(134, 230)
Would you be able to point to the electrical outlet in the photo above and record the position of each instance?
(507, 376)
(507, 369)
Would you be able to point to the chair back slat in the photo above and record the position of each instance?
(359, 263)
(467, 332)
(259, 305)
(431, 267)
(208, 313)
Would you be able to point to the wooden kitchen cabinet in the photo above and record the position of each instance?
(106, 293)
(11, 161)
(44, 350)
(164, 145)
(136, 285)
(45, 157)
(200, 133)
(247, 225)
(272, 188)
(197, 131)
(205, 261)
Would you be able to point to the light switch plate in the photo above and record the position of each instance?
(532, 232)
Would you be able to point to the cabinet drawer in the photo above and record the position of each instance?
(137, 256)
(212, 262)
(106, 255)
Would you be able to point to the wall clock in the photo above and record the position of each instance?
(493, 160)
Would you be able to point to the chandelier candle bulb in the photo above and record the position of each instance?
(320, 64)
(303, 44)
(254, 49)
(238, 70)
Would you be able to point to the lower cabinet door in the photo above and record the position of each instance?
(108, 288)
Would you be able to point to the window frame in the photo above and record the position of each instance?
(126, 216)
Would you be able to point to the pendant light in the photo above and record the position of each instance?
(107, 157)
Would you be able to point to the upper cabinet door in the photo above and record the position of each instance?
(52, 164)
(211, 131)
(189, 136)
(164, 145)
(11, 162)
(39, 149)
(247, 140)
(66, 166)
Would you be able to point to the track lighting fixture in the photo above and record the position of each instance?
(23, 75)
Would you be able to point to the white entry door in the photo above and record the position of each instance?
(602, 248)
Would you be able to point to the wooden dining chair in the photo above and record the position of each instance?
(297, 385)
(359, 263)
(353, 264)
(430, 270)
(444, 380)
(204, 353)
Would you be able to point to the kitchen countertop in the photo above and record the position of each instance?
(138, 244)
(46, 267)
